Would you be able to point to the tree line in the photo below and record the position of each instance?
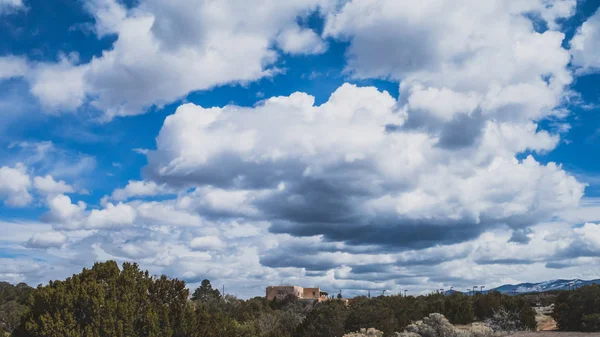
(128, 302)
(13, 304)
(391, 314)
(578, 310)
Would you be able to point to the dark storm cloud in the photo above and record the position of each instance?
(462, 131)
(311, 273)
(398, 233)
(409, 281)
(315, 255)
(316, 201)
(226, 170)
(330, 207)
(521, 236)
(420, 258)
(371, 268)
(457, 283)
(404, 52)
(309, 262)
(577, 249)
(399, 278)
(558, 265)
(513, 261)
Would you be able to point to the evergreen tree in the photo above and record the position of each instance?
(578, 310)
(458, 308)
(326, 319)
(484, 305)
(206, 293)
(106, 301)
(371, 313)
(13, 300)
(10, 315)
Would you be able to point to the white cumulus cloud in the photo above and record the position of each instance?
(362, 192)
(12, 66)
(14, 186)
(164, 50)
(585, 45)
(341, 165)
(47, 240)
(207, 243)
(459, 61)
(47, 185)
(137, 189)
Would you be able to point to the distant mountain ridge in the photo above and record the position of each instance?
(522, 288)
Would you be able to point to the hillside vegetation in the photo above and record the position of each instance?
(13, 301)
(110, 301)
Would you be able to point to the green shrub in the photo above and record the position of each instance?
(375, 313)
(577, 310)
(326, 319)
(590, 322)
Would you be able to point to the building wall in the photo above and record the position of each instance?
(313, 293)
(281, 292)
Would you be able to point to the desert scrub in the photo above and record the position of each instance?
(481, 330)
(436, 325)
(365, 333)
(590, 322)
(407, 334)
(578, 310)
(506, 321)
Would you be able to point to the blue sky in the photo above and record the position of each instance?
(359, 145)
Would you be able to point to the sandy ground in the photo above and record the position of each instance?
(545, 323)
(543, 319)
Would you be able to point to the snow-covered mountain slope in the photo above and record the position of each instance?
(542, 286)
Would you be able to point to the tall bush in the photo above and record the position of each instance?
(578, 310)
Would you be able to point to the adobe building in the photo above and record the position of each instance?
(281, 292)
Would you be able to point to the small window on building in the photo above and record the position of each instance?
(314, 293)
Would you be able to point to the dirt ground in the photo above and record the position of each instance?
(545, 323)
(543, 319)
(555, 334)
